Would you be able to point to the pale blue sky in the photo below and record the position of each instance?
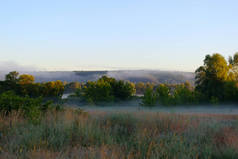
(122, 34)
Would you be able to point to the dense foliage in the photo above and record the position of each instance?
(24, 85)
(217, 79)
(106, 89)
(31, 108)
(216, 82)
(181, 94)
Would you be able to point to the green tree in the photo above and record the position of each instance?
(10, 83)
(105, 89)
(149, 98)
(123, 90)
(211, 76)
(12, 76)
(231, 91)
(164, 96)
(97, 92)
(184, 94)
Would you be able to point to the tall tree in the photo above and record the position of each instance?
(12, 76)
(211, 76)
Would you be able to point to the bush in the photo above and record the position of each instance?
(30, 107)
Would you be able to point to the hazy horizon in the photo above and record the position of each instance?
(8, 66)
(108, 35)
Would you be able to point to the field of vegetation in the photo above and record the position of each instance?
(35, 124)
(73, 133)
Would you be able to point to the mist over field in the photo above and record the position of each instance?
(125, 79)
(231, 109)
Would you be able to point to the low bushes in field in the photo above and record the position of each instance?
(31, 108)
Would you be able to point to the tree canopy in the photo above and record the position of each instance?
(211, 78)
(12, 76)
(26, 79)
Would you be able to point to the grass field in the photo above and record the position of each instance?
(75, 134)
(192, 109)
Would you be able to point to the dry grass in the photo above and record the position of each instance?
(73, 134)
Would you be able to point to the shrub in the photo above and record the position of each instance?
(30, 107)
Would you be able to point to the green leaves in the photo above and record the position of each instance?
(106, 90)
(181, 94)
(150, 98)
(215, 76)
(31, 108)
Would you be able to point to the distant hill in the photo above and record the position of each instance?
(171, 77)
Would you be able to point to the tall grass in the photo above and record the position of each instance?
(71, 134)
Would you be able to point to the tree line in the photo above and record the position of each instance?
(20, 93)
(106, 90)
(24, 85)
(216, 81)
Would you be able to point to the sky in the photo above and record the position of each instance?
(110, 34)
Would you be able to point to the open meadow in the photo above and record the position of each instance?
(76, 134)
(197, 109)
